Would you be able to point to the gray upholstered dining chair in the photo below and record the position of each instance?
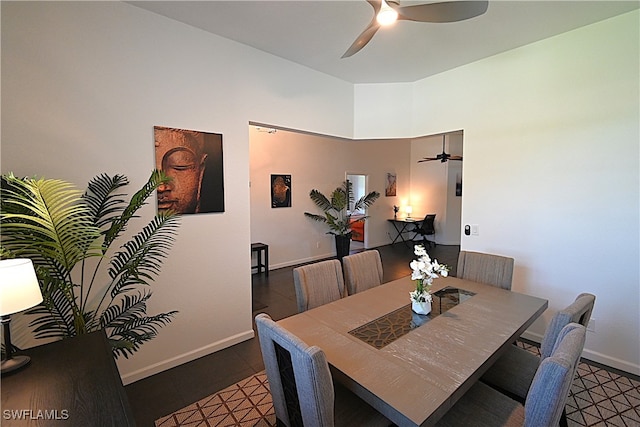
(318, 284)
(513, 372)
(545, 402)
(362, 271)
(301, 384)
(491, 269)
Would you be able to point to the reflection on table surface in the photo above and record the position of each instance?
(391, 326)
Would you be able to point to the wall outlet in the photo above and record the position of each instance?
(591, 326)
(475, 230)
(317, 245)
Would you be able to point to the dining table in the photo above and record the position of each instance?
(413, 368)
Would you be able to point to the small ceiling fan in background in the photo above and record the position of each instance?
(444, 157)
(386, 12)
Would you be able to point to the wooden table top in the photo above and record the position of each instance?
(415, 379)
(73, 382)
(407, 220)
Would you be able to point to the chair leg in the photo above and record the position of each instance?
(563, 418)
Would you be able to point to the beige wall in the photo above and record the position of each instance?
(319, 162)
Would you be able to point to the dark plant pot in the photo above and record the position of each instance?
(343, 243)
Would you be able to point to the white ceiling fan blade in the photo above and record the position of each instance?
(363, 38)
(442, 12)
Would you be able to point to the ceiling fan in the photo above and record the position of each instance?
(386, 12)
(444, 157)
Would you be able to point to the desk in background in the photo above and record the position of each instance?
(73, 382)
(415, 379)
(400, 225)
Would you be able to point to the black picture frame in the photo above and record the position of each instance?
(280, 191)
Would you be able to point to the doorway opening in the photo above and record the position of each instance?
(359, 187)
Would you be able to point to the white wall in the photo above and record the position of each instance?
(318, 162)
(433, 185)
(83, 84)
(452, 228)
(551, 169)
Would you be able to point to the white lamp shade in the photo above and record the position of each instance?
(19, 288)
(408, 210)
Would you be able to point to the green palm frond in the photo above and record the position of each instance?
(59, 314)
(340, 197)
(47, 220)
(315, 217)
(105, 206)
(58, 227)
(320, 200)
(55, 315)
(143, 255)
(366, 201)
(128, 326)
(137, 201)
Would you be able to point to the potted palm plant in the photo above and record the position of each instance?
(68, 235)
(338, 211)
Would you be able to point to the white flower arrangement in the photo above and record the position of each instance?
(423, 272)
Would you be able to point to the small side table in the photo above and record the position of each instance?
(260, 249)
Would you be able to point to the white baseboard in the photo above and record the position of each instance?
(186, 357)
(301, 261)
(604, 359)
(613, 362)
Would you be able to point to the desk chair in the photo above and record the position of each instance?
(490, 269)
(362, 271)
(301, 384)
(545, 401)
(514, 371)
(318, 283)
(426, 228)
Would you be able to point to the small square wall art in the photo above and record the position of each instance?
(193, 160)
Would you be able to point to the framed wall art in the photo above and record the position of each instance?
(193, 159)
(280, 191)
(390, 185)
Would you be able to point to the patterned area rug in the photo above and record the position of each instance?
(598, 397)
(246, 403)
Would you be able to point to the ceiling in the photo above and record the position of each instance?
(315, 33)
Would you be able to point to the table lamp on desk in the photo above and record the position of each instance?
(19, 290)
(408, 210)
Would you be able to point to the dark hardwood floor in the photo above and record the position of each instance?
(178, 387)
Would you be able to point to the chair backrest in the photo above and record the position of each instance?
(428, 224)
(362, 271)
(578, 312)
(550, 387)
(299, 377)
(491, 269)
(318, 284)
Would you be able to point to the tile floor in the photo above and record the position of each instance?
(168, 391)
